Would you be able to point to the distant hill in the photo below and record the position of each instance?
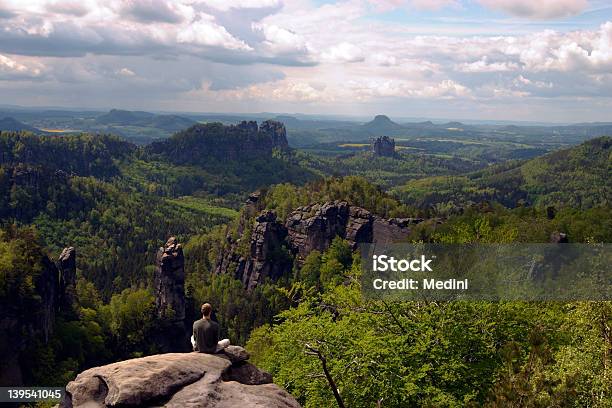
(13, 125)
(117, 117)
(453, 125)
(381, 125)
(577, 177)
(81, 155)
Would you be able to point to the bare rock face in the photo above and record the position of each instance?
(170, 281)
(383, 146)
(387, 231)
(172, 331)
(177, 380)
(277, 133)
(314, 227)
(273, 245)
(66, 264)
(265, 256)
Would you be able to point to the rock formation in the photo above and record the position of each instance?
(383, 146)
(178, 380)
(266, 250)
(203, 142)
(274, 245)
(66, 264)
(277, 133)
(315, 226)
(169, 281)
(169, 284)
(558, 238)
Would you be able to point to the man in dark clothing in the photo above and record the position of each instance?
(205, 337)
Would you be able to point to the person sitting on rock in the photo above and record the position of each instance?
(205, 337)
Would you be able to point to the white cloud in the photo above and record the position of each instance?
(282, 90)
(521, 82)
(538, 9)
(206, 32)
(71, 8)
(160, 11)
(343, 53)
(580, 51)
(445, 89)
(225, 5)
(384, 60)
(433, 4)
(281, 40)
(483, 65)
(386, 5)
(12, 69)
(125, 72)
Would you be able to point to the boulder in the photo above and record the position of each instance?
(236, 354)
(177, 380)
(247, 373)
(558, 238)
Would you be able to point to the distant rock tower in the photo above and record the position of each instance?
(383, 146)
(66, 264)
(170, 281)
(277, 132)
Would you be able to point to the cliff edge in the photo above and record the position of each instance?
(178, 380)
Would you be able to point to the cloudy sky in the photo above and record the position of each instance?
(543, 60)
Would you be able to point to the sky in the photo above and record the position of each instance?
(532, 60)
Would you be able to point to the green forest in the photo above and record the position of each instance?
(117, 203)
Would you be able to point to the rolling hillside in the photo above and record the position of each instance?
(577, 177)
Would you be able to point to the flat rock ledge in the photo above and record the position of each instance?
(221, 380)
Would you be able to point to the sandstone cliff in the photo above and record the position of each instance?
(214, 141)
(169, 284)
(66, 264)
(274, 245)
(178, 380)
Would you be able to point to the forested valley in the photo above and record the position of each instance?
(116, 203)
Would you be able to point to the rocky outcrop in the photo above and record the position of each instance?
(266, 253)
(178, 380)
(169, 281)
(277, 133)
(274, 245)
(66, 264)
(203, 142)
(172, 334)
(315, 226)
(558, 238)
(383, 146)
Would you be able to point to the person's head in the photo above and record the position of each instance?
(206, 310)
